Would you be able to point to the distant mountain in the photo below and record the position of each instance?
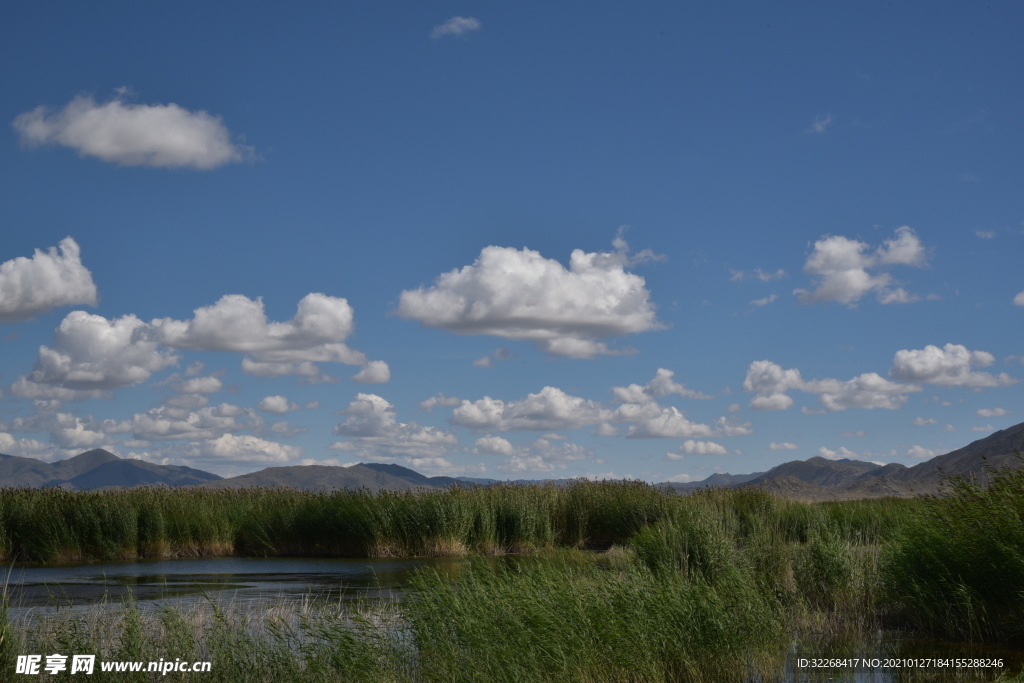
(95, 469)
(327, 478)
(821, 479)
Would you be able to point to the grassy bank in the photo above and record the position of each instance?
(55, 525)
(711, 586)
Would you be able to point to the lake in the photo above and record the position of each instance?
(221, 578)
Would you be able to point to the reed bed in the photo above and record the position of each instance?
(706, 587)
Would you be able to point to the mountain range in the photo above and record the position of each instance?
(814, 479)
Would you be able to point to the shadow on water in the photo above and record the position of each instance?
(235, 579)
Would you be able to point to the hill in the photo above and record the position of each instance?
(95, 469)
(822, 479)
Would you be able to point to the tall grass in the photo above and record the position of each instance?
(705, 587)
(957, 567)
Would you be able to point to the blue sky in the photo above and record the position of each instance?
(608, 240)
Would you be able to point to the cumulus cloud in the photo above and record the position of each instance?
(494, 445)
(1019, 299)
(547, 410)
(56, 277)
(691, 447)
(373, 429)
(669, 422)
(952, 365)
(771, 382)
(519, 294)
(921, 422)
(836, 455)
(277, 404)
(985, 234)
(202, 385)
(841, 267)
(90, 355)
(374, 372)
(783, 446)
(238, 323)
(159, 135)
(168, 423)
(993, 412)
(439, 400)
(986, 428)
(25, 448)
(456, 26)
(244, 448)
(920, 452)
(661, 385)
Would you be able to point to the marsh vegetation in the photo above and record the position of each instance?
(620, 581)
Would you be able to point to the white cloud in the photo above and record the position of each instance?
(194, 368)
(25, 448)
(439, 400)
(820, 124)
(986, 428)
(951, 365)
(441, 466)
(734, 408)
(1019, 299)
(284, 429)
(771, 382)
(841, 267)
(547, 410)
(519, 294)
(238, 323)
(456, 26)
(91, 354)
(500, 353)
(921, 422)
(374, 430)
(374, 372)
(985, 234)
(757, 273)
(494, 445)
(920, 452)
(661, 385)
(166, 136)
(202, 385)
(168, 423)
(783, 446)
(993, 412)
(682, 479)
(518, 464)
(691, 447)
(765, 301)
(56, 277)
(245, 448)
(669, 422)
(836, 455)
(277, 404)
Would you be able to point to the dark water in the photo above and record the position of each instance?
(227, 578)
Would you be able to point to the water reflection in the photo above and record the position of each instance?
(217, 578)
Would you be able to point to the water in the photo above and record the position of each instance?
(223, 579)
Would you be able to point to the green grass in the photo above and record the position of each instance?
(957, 567)
(706, 587)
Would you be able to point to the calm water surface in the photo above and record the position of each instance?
(219, 578)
